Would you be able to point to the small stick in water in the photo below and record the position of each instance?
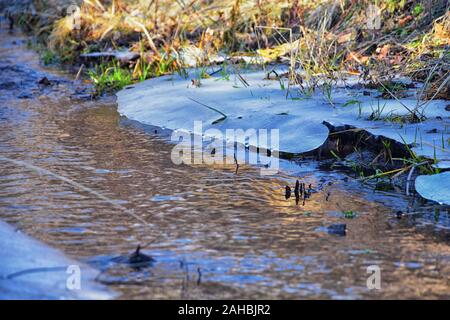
(199, 279)
(287, 194)
(237, 164)
(305, 194)
(297, 192)
(11, 22)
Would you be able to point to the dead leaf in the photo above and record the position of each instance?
(383, 52)
(355, 56)
(403, 21)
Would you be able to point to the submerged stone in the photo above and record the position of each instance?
(138, 257)
(44, 81)
(339, 229)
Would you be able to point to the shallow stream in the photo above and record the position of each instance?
(213, 233)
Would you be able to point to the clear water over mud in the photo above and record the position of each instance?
(213, 233)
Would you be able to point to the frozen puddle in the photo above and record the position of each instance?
(250, 101)
(31, 270)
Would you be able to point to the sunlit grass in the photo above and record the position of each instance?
(109, 77)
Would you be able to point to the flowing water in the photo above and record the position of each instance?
(94, 185)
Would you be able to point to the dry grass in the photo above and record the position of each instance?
(430, 61)
(319, 37)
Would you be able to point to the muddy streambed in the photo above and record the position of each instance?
(213, 233)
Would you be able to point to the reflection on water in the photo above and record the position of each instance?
(213, 234)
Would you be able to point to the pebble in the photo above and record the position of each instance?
(339, 229)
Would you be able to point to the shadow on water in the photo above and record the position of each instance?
(211, 233)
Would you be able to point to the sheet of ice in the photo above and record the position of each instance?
(435, 187)
(32, 270)
(172, 102)
(250, 100)
(442, 165)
